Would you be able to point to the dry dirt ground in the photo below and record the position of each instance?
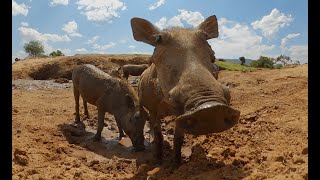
(269, 142)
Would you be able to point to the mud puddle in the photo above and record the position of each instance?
(30, 84)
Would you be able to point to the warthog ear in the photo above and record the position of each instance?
(210, 27)
(144, 31)
(129, 101)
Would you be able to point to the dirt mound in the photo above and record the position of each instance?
(269, 142)
(61, 67)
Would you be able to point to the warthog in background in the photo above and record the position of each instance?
(112, 95)
(132, 69)
(182, 62)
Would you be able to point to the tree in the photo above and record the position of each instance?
(58, 53)
(243, 60)
(34, 48)
(264, 62)
(284, 59)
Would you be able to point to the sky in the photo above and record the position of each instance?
(248, 28)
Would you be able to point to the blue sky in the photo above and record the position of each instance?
(248, 28)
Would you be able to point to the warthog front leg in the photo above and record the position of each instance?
(177, 144)
(101, 114)
(121, 133)
(86, 112)
(76, 98)
(158, 137)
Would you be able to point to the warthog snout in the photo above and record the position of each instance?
(210, 117)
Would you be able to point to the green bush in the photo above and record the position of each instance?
(278, 66)
(242, 60)
(34, 48)
(58, 53)
(262, 62)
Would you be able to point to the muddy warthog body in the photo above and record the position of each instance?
(112, 95)
(133, 69)
(182, 65)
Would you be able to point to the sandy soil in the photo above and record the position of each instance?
(269, 142)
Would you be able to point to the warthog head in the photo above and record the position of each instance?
(134, 121)
(183, 61)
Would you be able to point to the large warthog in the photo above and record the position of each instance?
(132, 69)
(181, 77)
(112, 95)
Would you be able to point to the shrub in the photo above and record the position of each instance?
(263, 62)
(278, 66)
(243, 60)
(58, 53)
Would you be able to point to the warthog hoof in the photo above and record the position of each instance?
(138, 149)
(96, 138)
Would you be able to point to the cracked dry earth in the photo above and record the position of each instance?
(269, 142)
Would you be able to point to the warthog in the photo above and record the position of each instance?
(132, 69)
(112, 95)
(181, 78)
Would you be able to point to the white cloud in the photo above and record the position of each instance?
(81, 50)
(24, 24)
(271, 24)
(71, 28)
(140, 52)
(59, 2)
(122, 41)
(103, 47)
(90, 41)
(101, 10)
(19, 9)
(285, 39)
(29, 34)
(163, 23)
(132, 47)
(236, 40)
(299, 53)
(65, 51)
(193, 18)
(157, 4)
